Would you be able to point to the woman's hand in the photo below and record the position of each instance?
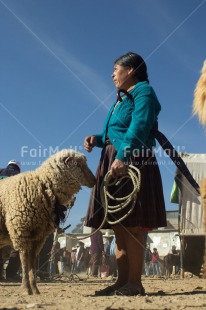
(118, 168)
(89, 143)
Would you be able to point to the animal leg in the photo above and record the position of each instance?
(36, 248)
(167, 272)
(25, 271)
(32, 272)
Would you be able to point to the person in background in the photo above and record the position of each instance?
(87, 259)
(155, 262)
(176, 260)
(174, 250)
(13, 168)
(5, 254)
(147, 259)
(66, 260)
(54, 258)
(61, 261)
(127, 138)
(105, 264)
(80, 257)
(43, 262)
(106, 241)
(112, 258)
(96, 251)
(73, 259)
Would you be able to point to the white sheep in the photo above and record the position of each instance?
(28, 202)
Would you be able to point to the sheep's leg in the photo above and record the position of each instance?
(25, 271)
(36, 247)
(32, 272)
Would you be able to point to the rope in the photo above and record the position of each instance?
(134, 175)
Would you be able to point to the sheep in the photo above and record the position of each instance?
(28, 202)
(199, 108)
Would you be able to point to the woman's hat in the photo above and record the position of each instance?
(107, 235)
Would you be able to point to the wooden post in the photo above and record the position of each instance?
(182, 274)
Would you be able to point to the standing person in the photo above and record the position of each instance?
(106, 241)
(66, 259)
(13, 168)
(96, 250)
(80, 257)
(61, 261)
(105, 263)
(127, 138)
(87, 258)
(175, 258)
(43, 262)
(155, 262)
(73, 259)
(54, 258)
(147, 260)
(112, 258)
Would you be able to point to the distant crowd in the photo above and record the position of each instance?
(97, 260)
(156, 266)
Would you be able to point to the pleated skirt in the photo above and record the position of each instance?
(149, 211)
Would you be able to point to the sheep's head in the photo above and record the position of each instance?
(79, 170)
(68, 166)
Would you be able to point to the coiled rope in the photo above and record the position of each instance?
(134, 175)
(124, 201)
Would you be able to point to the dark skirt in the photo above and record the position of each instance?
(149, 211)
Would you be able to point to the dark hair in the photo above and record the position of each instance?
(135, 61)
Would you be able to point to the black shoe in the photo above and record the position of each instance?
(105, 292)
(127, 291)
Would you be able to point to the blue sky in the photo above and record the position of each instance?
(55, 77)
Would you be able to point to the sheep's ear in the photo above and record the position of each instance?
(70, 161)
(67, 160)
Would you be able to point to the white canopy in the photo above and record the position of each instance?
(190, 204)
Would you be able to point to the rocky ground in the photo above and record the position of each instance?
(65, 294)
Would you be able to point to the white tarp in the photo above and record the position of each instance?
(190, 204)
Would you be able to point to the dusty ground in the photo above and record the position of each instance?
(64, 294)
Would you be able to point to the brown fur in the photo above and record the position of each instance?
(199, 108)
(199, 103)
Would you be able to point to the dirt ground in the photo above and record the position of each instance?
(65, 294)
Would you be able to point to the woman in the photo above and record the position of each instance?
(155, 262)
(127, 139)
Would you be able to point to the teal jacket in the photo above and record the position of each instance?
(128, 126)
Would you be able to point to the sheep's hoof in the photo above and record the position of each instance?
(35, 291)
(26, 290)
